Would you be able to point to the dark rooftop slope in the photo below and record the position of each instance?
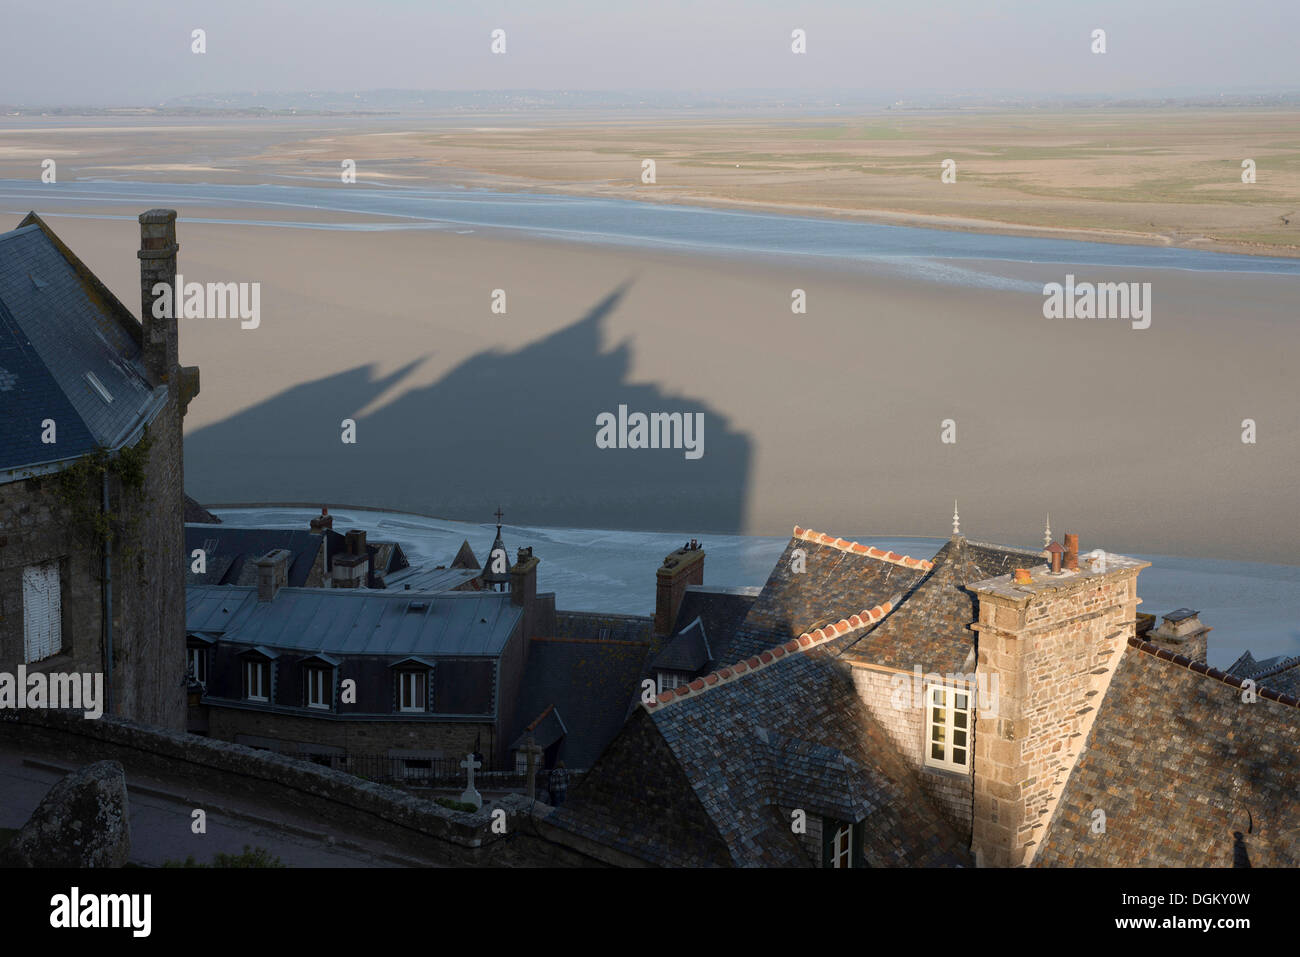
(69, 351)
(838, 579)
(931, 629)
(590, 684)
(1187, 773)
(743, 748)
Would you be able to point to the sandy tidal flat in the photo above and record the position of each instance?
(832, 419)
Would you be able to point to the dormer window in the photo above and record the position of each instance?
(947, 721)
(318, 677)
(259, 673)
(319, 688)
(257, 680)
(842, 844)
(412, 692)
(672, 679)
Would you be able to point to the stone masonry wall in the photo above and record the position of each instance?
(149, 586)
(1053, 653)
(35, 529)
(340, 802)
(298, 734)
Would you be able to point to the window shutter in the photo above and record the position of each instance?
(42, 612)
(828, 841)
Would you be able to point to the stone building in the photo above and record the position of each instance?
(981, 708)
(91, 472)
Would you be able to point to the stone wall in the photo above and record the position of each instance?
(299, 734)
(1053, 647)
(349, 806)
(35, 528)
(149, 586)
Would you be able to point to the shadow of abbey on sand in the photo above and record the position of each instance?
(516, 429)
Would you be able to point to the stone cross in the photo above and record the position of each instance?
(471, 796)
(531, 751)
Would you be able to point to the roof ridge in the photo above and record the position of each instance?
(1283, 665)
(590, 641)
(1203, 668)
(856, 548)
(804, 642)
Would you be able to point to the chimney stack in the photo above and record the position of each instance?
(1182, 633)
(157, 254)
(1071, 552)
(1054, 551)
(1047, 650)
(323, 523)
(272, 573)
(523, 589)
(681, 568)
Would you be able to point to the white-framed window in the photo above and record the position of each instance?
(842, 846)
(320, 688)
(672, 679)
(412, 691)
(947, 722)
(257, 680)
(198, 664)
(42, 612)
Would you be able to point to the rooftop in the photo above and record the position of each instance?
(69, 351)
(350, 621)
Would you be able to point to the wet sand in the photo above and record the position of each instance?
(832, 419)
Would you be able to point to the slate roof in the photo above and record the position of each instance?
(722, 610)
(591, 684)
(1281, 672)
(465, 557)
(1181, 765)
(546, 729)
(197, 514)
(350, 621)
(787, 733)
(839, 579)
(688, 650)
(931, 630)
(63, 337)
(232, 552)
(605, 627)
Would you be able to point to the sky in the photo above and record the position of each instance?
(138, 52)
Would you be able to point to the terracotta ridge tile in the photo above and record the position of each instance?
(772, 655)
(1201, 668)
(856, 548)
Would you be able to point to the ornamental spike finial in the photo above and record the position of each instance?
(956, 522)
(1047, 532)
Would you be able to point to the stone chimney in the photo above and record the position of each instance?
(352, 568)
(1071, 557)
(273, 573)
(523, 588)
(157, 254)
(1047, 649)
(324, 522)
(1182, 633)
(680, 569)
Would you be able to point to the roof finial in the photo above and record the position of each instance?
(499, 513)
(956, 522)
(1047, 532)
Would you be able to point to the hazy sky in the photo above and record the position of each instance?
(138, 51)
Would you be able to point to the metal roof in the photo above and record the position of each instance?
(64, 355)
(430, 579)
(349, 621)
